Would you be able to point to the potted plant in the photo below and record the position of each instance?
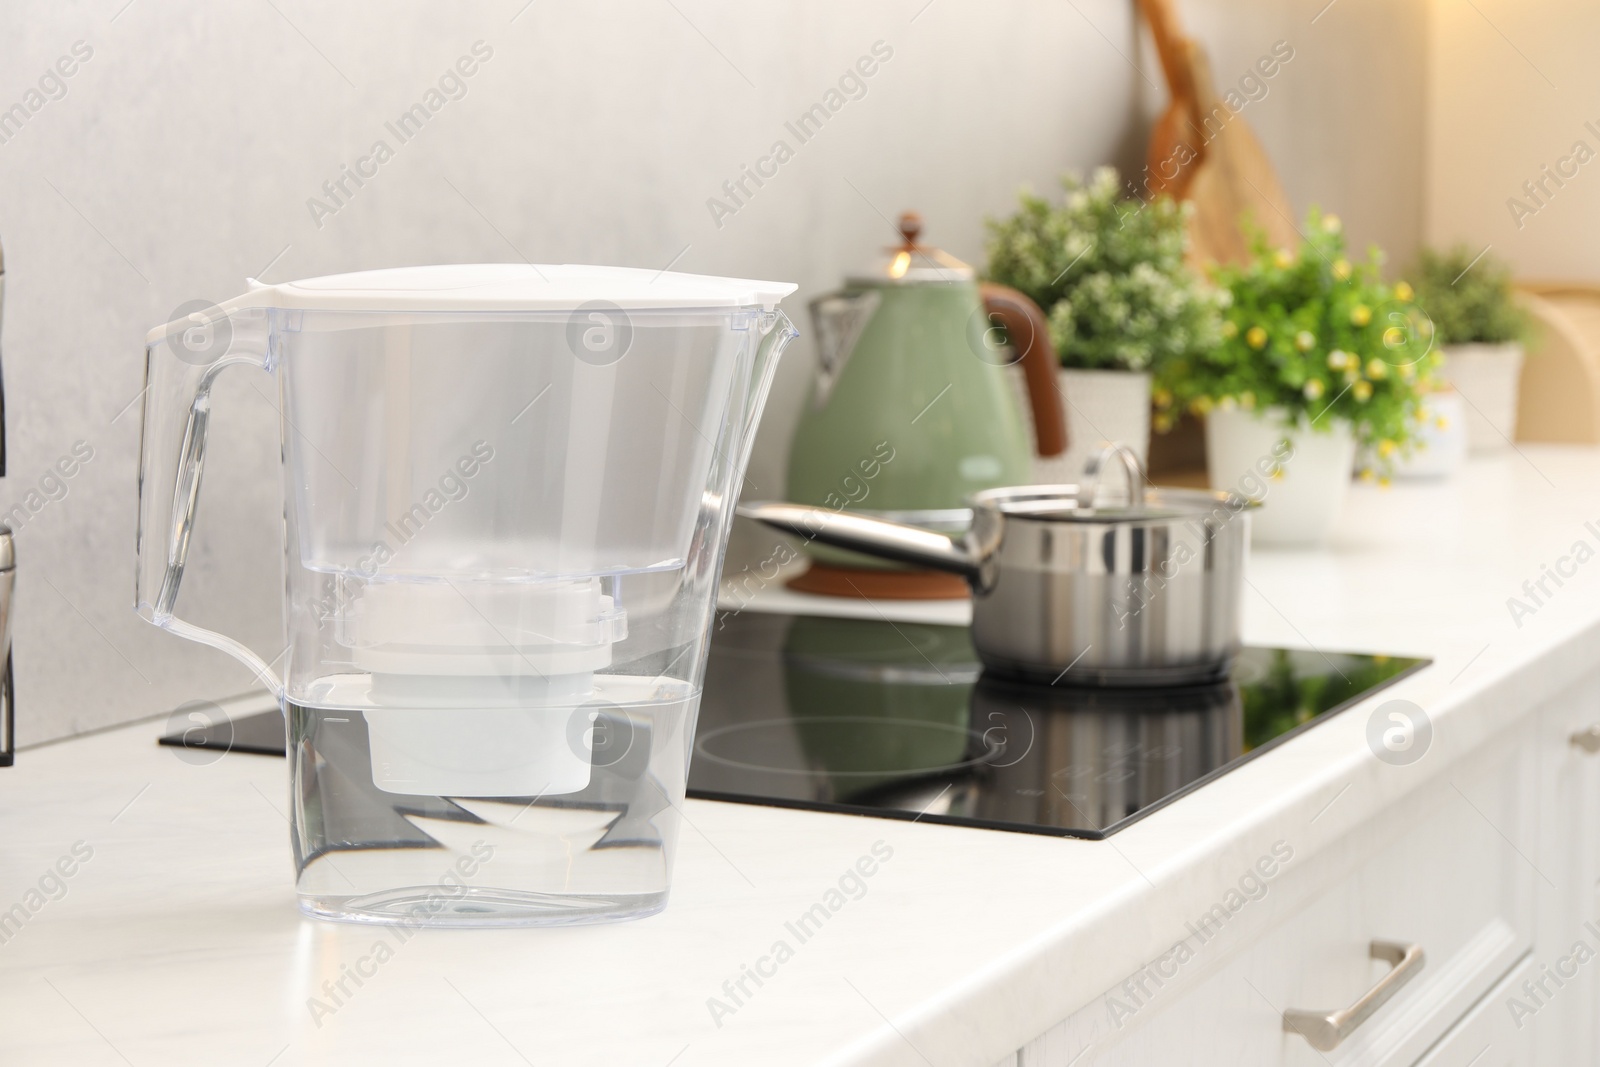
(1109, 273)
(1481, 331)
(1318, 357)
(1439, 438)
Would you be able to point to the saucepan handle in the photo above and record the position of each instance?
(1090, 486)
(872, 537)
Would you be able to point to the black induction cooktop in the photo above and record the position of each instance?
(898, 720)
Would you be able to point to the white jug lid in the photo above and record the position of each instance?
(507, 287)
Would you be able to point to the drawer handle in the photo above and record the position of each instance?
(1588, 740)
(1326, 1029)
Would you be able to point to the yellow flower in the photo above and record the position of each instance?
(1367, 475)
(1362, 391)
(1352, 374)
(1442, 422)
(1313, 389)
(1163, 398)
(1305, 340)
(1278, 472)
(1377, 369)
(1200, 405)
(1338, 358)
(1408, 371)
(1402, 291)
(1386, 448)
(1227, 403)
(1384, 482)
(1361, 314)
(1394, 337)
(1230, 330)
(1283, 259)
(1247, 400)
(1256, 338)
(1330, 223)
(1341, 268)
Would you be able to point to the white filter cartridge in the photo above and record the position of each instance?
(482, 689)
(480, 752)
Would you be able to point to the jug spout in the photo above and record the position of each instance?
(776, 331)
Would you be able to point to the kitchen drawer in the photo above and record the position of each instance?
(1441, 872)
(1488, 1037)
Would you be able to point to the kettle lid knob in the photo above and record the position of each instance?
(910, 226)
(911, 261)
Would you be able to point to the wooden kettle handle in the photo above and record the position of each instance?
(1029, 334)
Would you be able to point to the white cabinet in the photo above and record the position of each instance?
(1489, 1036)
(1565, 1026)
(1492, 868)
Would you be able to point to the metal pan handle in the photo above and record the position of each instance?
(873, 537)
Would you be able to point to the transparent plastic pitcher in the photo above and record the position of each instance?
(507, 491)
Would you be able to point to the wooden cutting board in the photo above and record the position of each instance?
(1174, 151)
(1203, 151)
(1234, 188)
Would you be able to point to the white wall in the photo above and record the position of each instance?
(181, 158)
(1343, 122)
(1511, 87)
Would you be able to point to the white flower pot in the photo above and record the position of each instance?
(1487, 377)
(1441, 439)
(1101, 405)
(1299, 505)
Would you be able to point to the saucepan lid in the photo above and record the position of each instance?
(1092, 500)
(1068, 503)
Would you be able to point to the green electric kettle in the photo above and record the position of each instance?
(912, 409)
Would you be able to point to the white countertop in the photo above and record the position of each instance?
(178, 940)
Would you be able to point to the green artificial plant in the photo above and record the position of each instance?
(1468, 298)
(1109, 273)
(1313, 338)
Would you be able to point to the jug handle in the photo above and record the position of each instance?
(177, 415)
(1023, 322)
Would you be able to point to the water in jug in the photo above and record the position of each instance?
(507, 492)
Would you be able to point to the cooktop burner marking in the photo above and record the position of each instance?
(787, 724)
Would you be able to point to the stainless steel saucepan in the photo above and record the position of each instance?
(1073, 587)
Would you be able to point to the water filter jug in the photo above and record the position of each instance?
(507, 491)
